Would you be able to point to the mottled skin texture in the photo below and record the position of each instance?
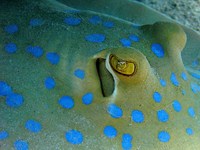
(26, 74)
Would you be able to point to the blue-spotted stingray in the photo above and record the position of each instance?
(96, 75)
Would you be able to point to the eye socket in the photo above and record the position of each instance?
(121, 66)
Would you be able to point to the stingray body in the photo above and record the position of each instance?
(96, 75)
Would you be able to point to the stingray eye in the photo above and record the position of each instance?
(122, 66)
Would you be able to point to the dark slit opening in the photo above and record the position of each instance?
(105, 77)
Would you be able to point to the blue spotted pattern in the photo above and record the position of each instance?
(53, 58)
(66, 102)
(108, 24)
(5, 89)
(189, 131)
(87, 98)
(176, 105)
(74, 137)
(157, 97)
(110, 132)
(36, 51)
(158, 50)
(115, 111)
(137, 116)
(134, 38)
(125, 42)
(191, 112)
(184, 76)
(173, 79)
(95, 20)
(79, 73)
(3, 135)
(36, 22)
(14, 100)
(11, 48)
(33, 126)
(162, 116)
(12, 28)
(163, 136)
(21, 145)
(95, 38)
(127, 137)
(126, 141)
(163, 82)
(72, 21)
(49, 83)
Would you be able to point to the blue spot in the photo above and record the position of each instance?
(164, 136)
(36, 22)
(53, 58)
(110, 131)
(126, 141)
(137, 116)
(191, 112)
(49, 83)
(36, 51)
(184, 76)
(158, 50)
(108, 24)
(127, 137)
(3, 135)
(163, 82)
(197, 76)
(195, 88)
(21, 145)
(33, 126)
(66, 102)
(177, 106)
(72, 21)
(189, 131)
(134, 38)
(157, 97)
(87, 98)
(125, 42)
(11, 48)
(173, 79)
(74, 137)
(14, 100)
(162, 116)
(5, 89)
(115, 111)
(79, 73)
(95, 38)
(13, 28)
(95, 20)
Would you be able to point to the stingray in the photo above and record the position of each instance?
(96, 75)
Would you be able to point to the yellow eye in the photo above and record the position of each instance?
(122, 66)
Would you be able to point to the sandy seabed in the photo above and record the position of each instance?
(187, 12)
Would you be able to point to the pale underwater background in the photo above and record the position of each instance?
(187, 12)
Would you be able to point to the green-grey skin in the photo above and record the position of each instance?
(26, 75)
